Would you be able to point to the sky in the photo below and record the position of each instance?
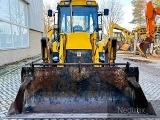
(127, 15)
(127, 8)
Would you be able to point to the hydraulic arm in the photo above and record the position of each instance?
(150, 14)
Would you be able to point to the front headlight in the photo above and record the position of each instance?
(101, 57)
(66, 2)
(55, 57)
(89, 2)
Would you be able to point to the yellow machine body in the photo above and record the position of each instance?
(79, 2)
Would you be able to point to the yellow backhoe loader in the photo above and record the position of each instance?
(123, 44)
(79, 77)
(141, 31)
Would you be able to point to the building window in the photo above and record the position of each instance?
(5, 35)
(14, 31)
(4, 10)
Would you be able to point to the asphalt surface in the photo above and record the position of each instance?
(149, 81)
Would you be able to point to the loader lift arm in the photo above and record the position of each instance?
(150, 14)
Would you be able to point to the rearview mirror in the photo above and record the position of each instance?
(106, 12)
(50, 13)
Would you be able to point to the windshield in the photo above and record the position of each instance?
(84, 19)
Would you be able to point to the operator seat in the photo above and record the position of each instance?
(77, 28)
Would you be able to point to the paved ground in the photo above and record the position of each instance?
(149, 81)
(10, 82)
(149, 69)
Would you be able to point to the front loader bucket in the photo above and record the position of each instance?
(80, 92)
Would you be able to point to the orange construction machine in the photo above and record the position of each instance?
(150, 13)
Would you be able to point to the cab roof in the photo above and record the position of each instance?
(78, 3)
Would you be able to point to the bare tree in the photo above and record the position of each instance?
(138, 12)
(156, 4)
(116, 12)
(48, 21)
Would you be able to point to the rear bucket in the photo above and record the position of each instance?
(125, 47)
(85, 92)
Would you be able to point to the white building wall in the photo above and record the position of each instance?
(35, 33)
(9, 56)
(35, 8)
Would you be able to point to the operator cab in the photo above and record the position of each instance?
(78, 17)
(84, 19)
